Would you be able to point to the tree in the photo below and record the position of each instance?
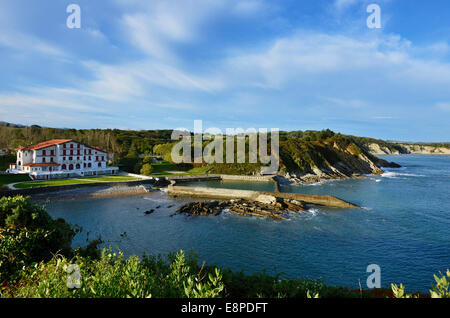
(146, 169)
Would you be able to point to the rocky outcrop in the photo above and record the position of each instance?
(332, 159)
(426, 149)
(268, 209)
(377, 149)
(404, 148)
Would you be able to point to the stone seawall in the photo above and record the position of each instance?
(126, 184)
(247, 178)
(220, 193)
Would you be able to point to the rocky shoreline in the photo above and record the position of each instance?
(277, 210)
(354, 167)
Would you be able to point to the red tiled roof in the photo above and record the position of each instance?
(46, 144)
(98, 148)
(41, 164)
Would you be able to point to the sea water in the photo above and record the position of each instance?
(404, 227)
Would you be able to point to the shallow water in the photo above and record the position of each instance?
(404, 228)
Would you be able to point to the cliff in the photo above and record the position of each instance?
(381, 147)
(335, 157)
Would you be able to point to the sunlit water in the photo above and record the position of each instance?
(404, 228)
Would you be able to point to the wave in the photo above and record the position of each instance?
(391, 174)
(313, 211)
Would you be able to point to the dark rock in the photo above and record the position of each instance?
(149, 211)
(275, 210)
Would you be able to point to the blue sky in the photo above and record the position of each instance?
(284, 64)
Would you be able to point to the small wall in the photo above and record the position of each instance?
(220, 193)
(25, 192)
(247, 178)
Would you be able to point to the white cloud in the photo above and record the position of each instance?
(346, 103)
(342, 4)
(306, 54)
(31, 101)
(250, 7)
(158, 24)
(444, 106)
(29, 44)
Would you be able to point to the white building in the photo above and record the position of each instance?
(61, 158)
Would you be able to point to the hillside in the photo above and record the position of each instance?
(305, 156)
(327, 157)
(381, 147)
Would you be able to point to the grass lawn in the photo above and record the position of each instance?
(112, 178)
(48, 183)
(162, 170)
(53, 183)
(7, 179)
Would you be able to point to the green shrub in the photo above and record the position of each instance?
(113, 276)
(146, 169)
(439, 290)
(28, 235)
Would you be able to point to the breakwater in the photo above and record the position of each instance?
(220, 193)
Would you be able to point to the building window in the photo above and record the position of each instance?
(89, 165)
(51, 159)
(71, 145)
(99, 164)
(52, 152)
(64, 158)
(71, 167)
(43, 152)
(43, 159)
(78, 166)
(64, 167)
(70, 158)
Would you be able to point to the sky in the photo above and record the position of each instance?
(287, 64)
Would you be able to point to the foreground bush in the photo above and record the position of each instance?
(439, 290)
(114, 276)
(28, 235)
(178, 276)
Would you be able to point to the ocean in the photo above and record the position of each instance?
(403, 227)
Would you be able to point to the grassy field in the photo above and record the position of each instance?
(164, 170)
(54, 183)
(7, 179)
